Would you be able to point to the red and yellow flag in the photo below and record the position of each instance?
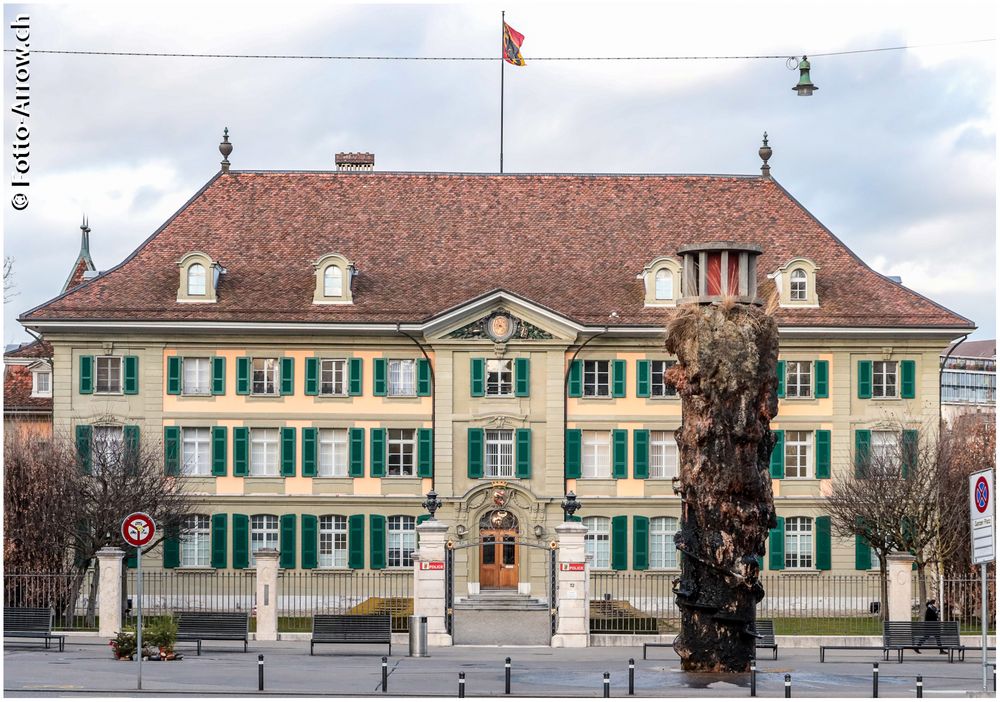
(512, 40)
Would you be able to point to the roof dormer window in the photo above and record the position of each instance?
(199, 278)
(196, 279)
(333, 281)
(661, 280)
(334, 278)
(796, 283)
(664, 284)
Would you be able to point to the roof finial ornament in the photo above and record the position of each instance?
(225, 148)
(765, 153)
(85, 237)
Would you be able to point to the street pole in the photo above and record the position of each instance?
(984, 622)
(503, 27)
(138, 625)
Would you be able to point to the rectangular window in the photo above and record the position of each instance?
(500, 453)
(659, 387)
(333, 456)
(265, 376)
(41, 383)
(109, 375)
(798, 447)
(263, 534)
(597, 378)
(798, 542)
(196, 542)
(333, 377)
(597, 542)
(884, 379)
(662, 549)
(886, 455)
(264, 452)
(197, 376)
(402, 541)
(108, 449)
(402, 450)
(798, 378)
(499, 377)
(333, 542)
(662, 455)
(402, 378)
(197, 443)
(596, 454)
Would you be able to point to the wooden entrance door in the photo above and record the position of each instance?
(498, 559)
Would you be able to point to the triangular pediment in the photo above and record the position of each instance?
(501, 318)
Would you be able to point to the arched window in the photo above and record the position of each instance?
(597, 542)
(664, 284)
(798, 285)
(333, 281)
(196, 279)
(662, 551)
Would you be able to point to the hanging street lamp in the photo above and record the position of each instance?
(805, 85)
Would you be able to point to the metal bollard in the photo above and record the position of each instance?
(461, 684)
(385, 674)
(506, 676)
(631, 676)
(920, 686)
(607, 684)
(788, 685)
(994, 677)
(874, 679)
(260, 671)
(753, 678)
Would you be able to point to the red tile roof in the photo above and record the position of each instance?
(31, 349)
(76, 276)
(974, 349)
(17, 380)
(424, 243)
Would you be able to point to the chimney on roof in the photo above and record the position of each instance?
(765, 153)
(360, 161)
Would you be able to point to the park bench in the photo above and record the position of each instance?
(916, 635)
(213, 626)
(765, 639)
(31, 623)
(351, 629)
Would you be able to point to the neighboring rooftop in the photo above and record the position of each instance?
(986, 348)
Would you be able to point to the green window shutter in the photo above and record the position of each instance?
(640, 454)
(86, 375)
(130, 386)
(312, 376)
(908, 383)
(619, 463)
(308, 458)
(287, 376)
(778, 454)
(356, 541)
(425, 453)
(576, 379)
(357, 468)
(243, 375)
(241, 452)
(310, 537)
(378, 453)
(574, 449)
(781, 378)
(423, 377)
(377, 529)
(522, 377)
(910, 451)
(288, 452)
(174, 375)
(241, 541)
(821, 382)
(171, 450)
(130, 434)
(618, 378)
(864, 380)
(619, 542)
(476, 448)
(286, 542)
(862, 553)
(823, 543)
(380, 388)
(356, 367)
(822, 453)
(523, 454)
(776, 546)
(84, 438)
(477, 377)
(220, 465)
(218, 375)
(219, 539)
(171, 550)
(642, 378)
(862, 452)
(640, 543)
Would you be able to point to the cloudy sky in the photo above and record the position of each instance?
(895, 153)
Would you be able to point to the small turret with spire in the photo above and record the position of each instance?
(765, 153)
(225, 148)
(84, 264)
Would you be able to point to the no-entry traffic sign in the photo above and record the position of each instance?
(138, 529)
(981, 516)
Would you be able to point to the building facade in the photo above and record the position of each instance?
(27, 389)
(320, 350)
(969, 381)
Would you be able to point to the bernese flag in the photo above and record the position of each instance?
(512, 40)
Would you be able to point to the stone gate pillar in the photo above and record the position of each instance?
(429, 580)
(267, 594)
(573, 591)
(900, 587)
(109, 591)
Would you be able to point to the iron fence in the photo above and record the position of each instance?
(303, 594)
(167, 591)
(72, 597)
(958, 599)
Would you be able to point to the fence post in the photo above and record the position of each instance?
(428, 580)
(267, 594)
(900, 587)
(109, 597)
(573, 592)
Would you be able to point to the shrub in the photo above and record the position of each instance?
(161, 634)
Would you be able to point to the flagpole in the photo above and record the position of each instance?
(502, 49)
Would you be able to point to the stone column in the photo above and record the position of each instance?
(267, 594)
(429, 580)
(573, 591)
(109, 590)
(900, 587)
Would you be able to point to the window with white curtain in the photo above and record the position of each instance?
(596, 454)
(597, 542)
(333, 281)
(196, 279)
(402, 377)
(333, 453)
(264, 452)
(263, 534)
(197, 447)
(499, 453)
(662, 455)
(662, 550)
(196, 542)
(664, 284)
(197, 376)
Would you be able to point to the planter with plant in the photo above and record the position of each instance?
(162, 635)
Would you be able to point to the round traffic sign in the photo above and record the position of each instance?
(138, 529)
(982, 494)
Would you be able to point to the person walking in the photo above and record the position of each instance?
(931, 614)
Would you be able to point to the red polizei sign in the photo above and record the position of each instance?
(573, 567)
(431, 565)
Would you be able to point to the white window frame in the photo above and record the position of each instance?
(201, 367)
(882, 371)
(799, 543)
(267, 443)
(499, 377)
(333, 546)
(332, 453)
(401, 377)
(596, 455)
(663, 554)
(665, 276)
(499, 453)
(663, 455)
(264, 533)
(197, 460)
(196, 542)
(658, 385)
(798, 285)
(37, 391)
(114, 365)
(329, 281)
(593, 371)
(270, 375)
(193, 289)
(336, 369)
(798, 454)
(401, 448)
(401, 541)
(801, 372)
(597, 542)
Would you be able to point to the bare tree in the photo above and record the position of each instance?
(8, 279)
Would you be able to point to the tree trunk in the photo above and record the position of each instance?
(725, 375)
(92, 600)
(883, 589)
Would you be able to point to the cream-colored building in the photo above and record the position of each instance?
(320, 350)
